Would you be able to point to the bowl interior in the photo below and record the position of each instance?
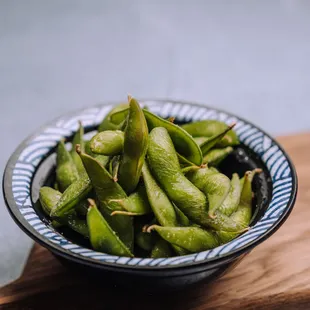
(240, 160)
(33, 165)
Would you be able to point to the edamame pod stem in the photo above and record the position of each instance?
(108, 142)
(192, 239)
(209, 128)
(214, 185)
(101, 235)
(159, 202)
(216, 156)
(106, 123)
(183, 141)
(231, 202)
(66, 172)
(74, 194)
(161, 249)
(135, 147)
(136, 204)
(78, 139)
(212, 141)
(167, 172)
(106, 190)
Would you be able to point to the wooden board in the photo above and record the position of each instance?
(275, 275)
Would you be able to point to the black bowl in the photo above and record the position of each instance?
(33, 165)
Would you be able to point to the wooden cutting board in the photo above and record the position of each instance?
(275, 275)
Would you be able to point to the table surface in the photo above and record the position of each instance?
(274, 275)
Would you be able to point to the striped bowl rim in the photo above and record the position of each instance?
(24, 162)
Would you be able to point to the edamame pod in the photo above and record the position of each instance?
(75, 193)
(209, 128)
(231, 202)
(184, 143)
(214, 185)
(192, 239)
(106, 124)
(183, 220)
(102, 159)
(216, 156)
(66, 171)
(161, 249)
(78, 139)
(160, 203)
(48, 198)
(200, 140)
(136, 204)
(108, 142)
(243, 214)
(106, 190)
(144, 240)
(101, 235)
(135, 147)
(166, 170)
(213, 140)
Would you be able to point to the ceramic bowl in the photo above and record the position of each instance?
(32, 165)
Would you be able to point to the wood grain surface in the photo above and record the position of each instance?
(275, 275)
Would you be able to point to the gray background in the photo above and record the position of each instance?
(249, 57)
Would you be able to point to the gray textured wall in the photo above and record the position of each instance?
(249, 57)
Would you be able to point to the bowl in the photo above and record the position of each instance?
(32, 165)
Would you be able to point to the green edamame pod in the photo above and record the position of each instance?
(209, 128)
(243, 213)
(78, 225)
(215, 186)
(135, 147)
(102, 159)
(106, 123)
(231, 202)
(78, 139)
(48, 198)
(161, 249)
(108, 142)
(192, 239)
(184, 143)
(183, 220)
(220, 220)
(166, 170)
(160, 203)
(136, 204)
(213, 140)
(162, 207)
(66, 171)
(74, 194)
(101, 235)
(200, 140)
(216, 156)
(107, 190)
(144, 240)
(82, 207)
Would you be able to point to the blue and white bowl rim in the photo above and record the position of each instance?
(23, 164)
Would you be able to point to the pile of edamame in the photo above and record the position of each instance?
(144, 186)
